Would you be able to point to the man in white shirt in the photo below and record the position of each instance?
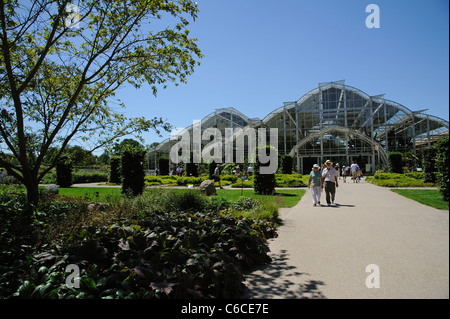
(354, 169)
(329, 180)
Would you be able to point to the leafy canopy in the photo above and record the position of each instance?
(61, 63)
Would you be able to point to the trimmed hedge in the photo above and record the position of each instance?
(286, 164)
(442, 165)
(115, 170)
(89, 177)
(264, 184)
(395, 162)
(399, 180)
(429, 164)
(64, 172)
(163, 164)
(133, 171)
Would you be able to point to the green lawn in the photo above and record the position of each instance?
(430, 197)
(284, 197)
(94, 194)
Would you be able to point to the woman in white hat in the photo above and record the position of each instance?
(314, 184)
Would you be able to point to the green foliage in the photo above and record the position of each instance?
(80, 156)
(184, 180)
(429, 197)
(190, 200)
(429, 164)
(191, 167)
(115, 175)
(217, 204)
(165, 243)
(83, 177)
(229, 178)
(384, 176)
(64, 172)
(133, 171)
(286, 164)
(163, 165)
(174, 180)
(64, 88)
(144, 254)
(442, 165)
(263, 184)
(244, 184)
(398, 180)
(290, 180)
(245, 203)
(395, 162)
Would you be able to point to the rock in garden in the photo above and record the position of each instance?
(52, 189)
(207, 187)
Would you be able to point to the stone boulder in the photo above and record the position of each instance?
(52, 189)
(207, 187)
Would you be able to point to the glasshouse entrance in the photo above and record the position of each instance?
(341, 146)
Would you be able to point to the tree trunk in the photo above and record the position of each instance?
(32, 186)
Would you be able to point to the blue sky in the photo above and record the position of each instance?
(260, 53)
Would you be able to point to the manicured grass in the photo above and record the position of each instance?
(283, 198)
(94, 194)
(430, 197)
(398, 180)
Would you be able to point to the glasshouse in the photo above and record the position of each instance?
(333, 121)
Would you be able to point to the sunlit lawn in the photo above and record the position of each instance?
(283, 197)
(430, 197)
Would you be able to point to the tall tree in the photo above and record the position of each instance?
(62, 61)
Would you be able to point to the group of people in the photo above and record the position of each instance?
(353, 170)
(237, 171)
(327, 178)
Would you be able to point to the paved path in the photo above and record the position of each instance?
(323, 252)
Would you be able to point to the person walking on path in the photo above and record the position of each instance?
(354, 168)
(330, 182)
(217, 175)
(315, 185)
(344, 173)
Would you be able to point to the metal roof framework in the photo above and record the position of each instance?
(340, 109)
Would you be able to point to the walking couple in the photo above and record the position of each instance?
(326, 178)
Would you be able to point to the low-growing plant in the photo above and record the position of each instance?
(217, 204)
(147, 246)
(245, 203)
(244, 184)
(165, 255)
(398, 180)
(289, 180)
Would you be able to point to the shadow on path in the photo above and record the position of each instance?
(278, 280)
